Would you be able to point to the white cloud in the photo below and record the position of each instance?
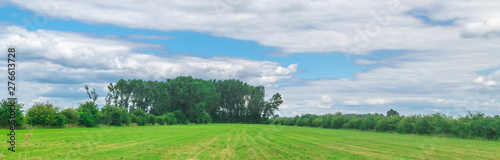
(436, 68)
(70, 57)
(351, 102)
(479, 80)
(377, 101)
(490, 83)
(56, 65)
(293, 26)
(486, 29)
(326, 99)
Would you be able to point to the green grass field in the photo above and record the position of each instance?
(240, 141)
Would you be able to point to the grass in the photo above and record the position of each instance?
(240, 141)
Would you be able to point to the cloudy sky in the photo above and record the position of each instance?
(323, 56)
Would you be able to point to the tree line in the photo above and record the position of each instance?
(472, 125)
(227, 101)
(181, 100)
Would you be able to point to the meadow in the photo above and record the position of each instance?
(239, 141)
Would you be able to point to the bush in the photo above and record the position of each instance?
(205, 118)
(113, 115)
(61, 120)
(422, 126)
(89, 114)
(152, 119)
(5, 114)
(406, 125)
(368, 123)
(353, 123)
(180, 117)
(43, 114)
(317, 122)
(160, 119)
(71, 115)
(337, 121)
(139, 116)
(170, 119)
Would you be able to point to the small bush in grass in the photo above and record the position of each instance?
(71, 115)
(89, 114)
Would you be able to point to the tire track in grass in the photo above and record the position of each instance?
(377, 148)
(237, 139)
(226, 152)
(244, 135)
(383, 146)
(283, 142)
(255, 145)
(277, 147)
(345, 145)
(198, 149)
(306, 141)
(388, 147)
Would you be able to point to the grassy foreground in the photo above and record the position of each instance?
(239, 141)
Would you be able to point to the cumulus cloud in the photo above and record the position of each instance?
(486, 29)
(447, 79)
(293, 26)
(439, 68)
(58, 64)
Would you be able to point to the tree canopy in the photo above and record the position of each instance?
(197, 100)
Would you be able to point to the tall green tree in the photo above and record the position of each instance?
(392, 113)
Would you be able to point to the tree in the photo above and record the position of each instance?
(392, 113)
(317, 122)
(191, 96)
(406, 125)
(337, 121)
(422, 126)
(368, 123)
(88, 112)
(353, 123)
(92, 94)
(272, 105)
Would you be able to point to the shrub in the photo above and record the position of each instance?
(170, 118)
(205, 118)
(382, 125)
(61, 120)
(88, 112)
(151, 119)
(113, 115)
(71, 115)
(180, 117)
(353, 123)
(317, 122)
(160, 119)
(406, 125)
(422, 126)
(5, 114)
(139, 116)
(43, 114)
(337, 121)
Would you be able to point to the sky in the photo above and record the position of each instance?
(323, 56)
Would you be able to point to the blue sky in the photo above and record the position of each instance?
(322, 56)
(313, 65)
